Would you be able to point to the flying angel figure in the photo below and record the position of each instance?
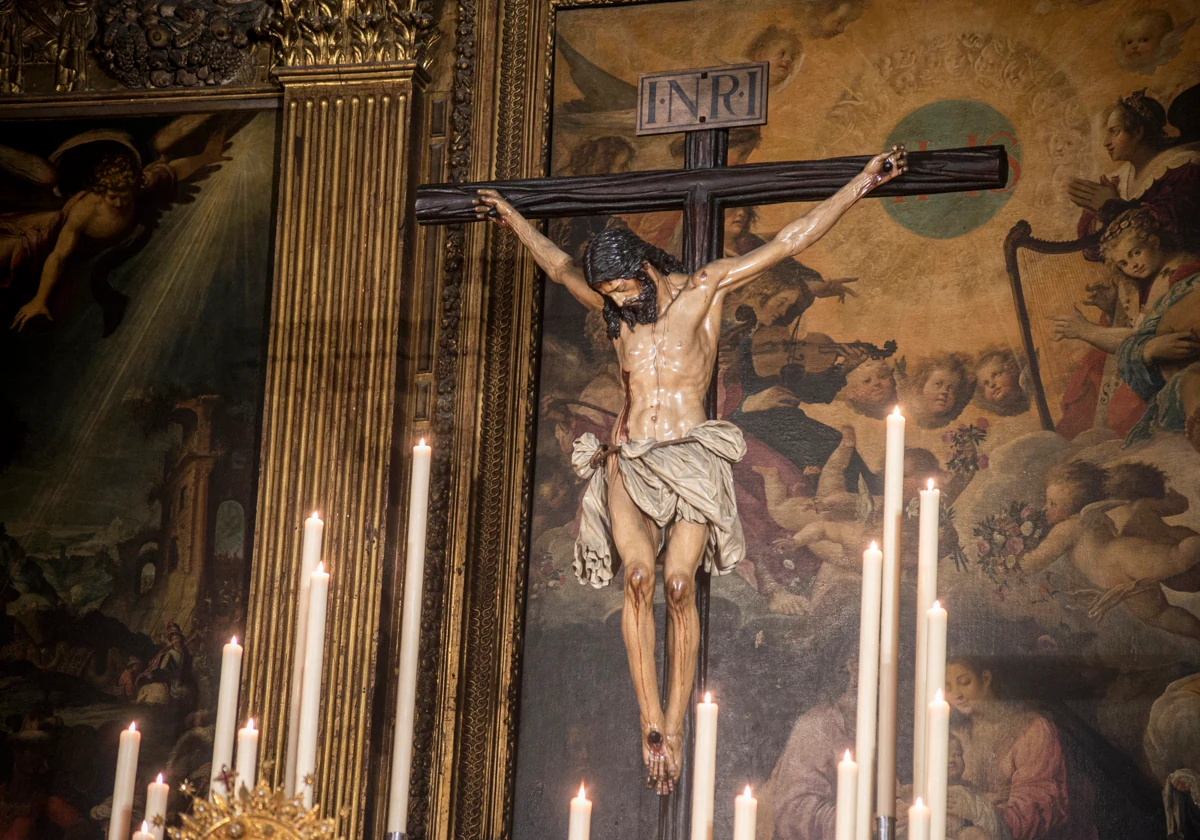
(92, 200)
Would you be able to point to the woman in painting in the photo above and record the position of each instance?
(1160, 359)
(1155, 172)
(1014, 785)
(1145, 256)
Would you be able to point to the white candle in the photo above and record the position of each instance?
(410, 636)
(580, 827)
(144, 834)
(938, 751)
(847, 798)
(745, 815)
(310, 688)
(226, 722)
(247, 756)
(126, 777)
(918, 821)
(935, 672)
(310, 555)
(868, 689)
(704, 769)
(157, 794)
(889, 645)
(927, 565)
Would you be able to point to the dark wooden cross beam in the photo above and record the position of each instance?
(703, 189)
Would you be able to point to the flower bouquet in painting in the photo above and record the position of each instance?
(965, 457)
(1005, 538)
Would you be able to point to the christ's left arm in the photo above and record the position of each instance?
(733, 272)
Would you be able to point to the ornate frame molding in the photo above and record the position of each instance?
(486, 380)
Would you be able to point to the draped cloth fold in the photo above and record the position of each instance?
(689, 479)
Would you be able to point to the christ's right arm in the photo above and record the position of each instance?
(553, 260)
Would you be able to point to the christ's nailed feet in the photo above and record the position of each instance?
(674, 748)
(655, 756)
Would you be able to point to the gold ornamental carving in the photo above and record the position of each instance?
(259, 814)
(310, 33)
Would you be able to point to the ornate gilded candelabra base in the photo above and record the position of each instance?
(259, 814)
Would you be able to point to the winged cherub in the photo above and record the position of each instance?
(108, 204)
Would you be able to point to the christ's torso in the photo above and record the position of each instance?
(666, 367)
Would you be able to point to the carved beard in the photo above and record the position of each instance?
(642, 309)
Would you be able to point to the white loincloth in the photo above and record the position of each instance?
(667, 481)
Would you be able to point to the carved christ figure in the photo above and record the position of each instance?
(662, 490)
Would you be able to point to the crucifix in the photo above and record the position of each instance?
(637, 287)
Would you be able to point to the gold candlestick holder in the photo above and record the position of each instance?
(259, 814)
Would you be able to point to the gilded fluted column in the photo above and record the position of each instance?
(351, 96)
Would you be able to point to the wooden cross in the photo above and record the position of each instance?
(704, 189)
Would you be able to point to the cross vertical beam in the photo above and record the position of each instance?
(703, 232)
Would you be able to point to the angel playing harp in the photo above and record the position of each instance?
(98, 202)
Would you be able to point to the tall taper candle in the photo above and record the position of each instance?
(226, 722)
(938, 750)
(847, 798)
(935, 671)
(126, 778)
(410, 635)
(918, 821)
(310, 555)
(157, 794)
(745, 815)
(868, 689)
(927, 564)
(889, 645)
(580, 826)
(704, 769)
(144, 834)
(247, 756)
(310, 689)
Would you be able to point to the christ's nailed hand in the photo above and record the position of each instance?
(886, 166)
(491, 205)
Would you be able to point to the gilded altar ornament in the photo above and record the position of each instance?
(259, 814)
(326, 32)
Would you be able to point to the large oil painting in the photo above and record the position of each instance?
(1042, 341)
(134, 263)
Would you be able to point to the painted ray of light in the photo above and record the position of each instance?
(182, 260)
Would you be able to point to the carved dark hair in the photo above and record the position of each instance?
(1145, 113)
(620, 254)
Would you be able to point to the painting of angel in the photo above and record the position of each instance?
(96, 199)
